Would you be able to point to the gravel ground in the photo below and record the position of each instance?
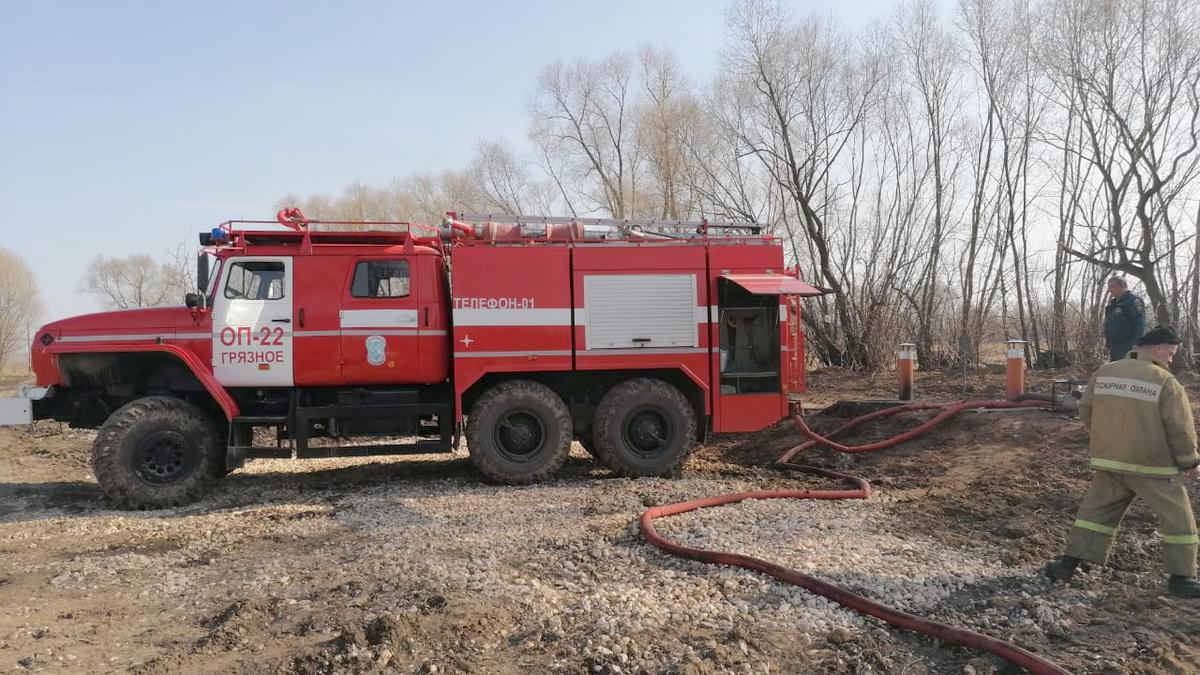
(415, 565)
(285, 572)
(556, 575)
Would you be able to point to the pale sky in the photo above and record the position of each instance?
(126, 127)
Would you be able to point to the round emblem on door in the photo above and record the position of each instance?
(376, 350)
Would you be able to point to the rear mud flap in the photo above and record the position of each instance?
(16, 411)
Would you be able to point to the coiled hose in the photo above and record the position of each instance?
(861, 490)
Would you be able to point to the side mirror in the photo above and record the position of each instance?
(194, 300)
(202, 273)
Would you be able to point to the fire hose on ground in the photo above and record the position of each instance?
(861, 490)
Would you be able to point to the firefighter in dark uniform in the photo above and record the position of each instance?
(1143, 445)
(1124, 319)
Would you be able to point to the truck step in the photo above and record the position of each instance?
(260, 420)
(416, 448)
(265, 453)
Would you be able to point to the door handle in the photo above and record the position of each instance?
(281, 320)
(300, 315)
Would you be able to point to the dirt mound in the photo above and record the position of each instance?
(434, 629)
(232, 627)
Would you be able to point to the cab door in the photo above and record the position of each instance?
(378, 321)
(252, 317)
(319, 285)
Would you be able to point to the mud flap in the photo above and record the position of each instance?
(18, 410)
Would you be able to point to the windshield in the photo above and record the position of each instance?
(214, 273)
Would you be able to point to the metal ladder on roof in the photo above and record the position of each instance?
(536, 226)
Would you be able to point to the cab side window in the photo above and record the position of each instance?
(380, 279)
(255, 280)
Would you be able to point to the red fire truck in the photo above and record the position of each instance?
(524, 333)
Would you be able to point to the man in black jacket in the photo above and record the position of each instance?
(1124, 319)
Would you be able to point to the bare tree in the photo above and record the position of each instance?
(1131, 71)
(20, 305)
(803, 88)
(421, 198)
(1001, 46)
(722, 180)
(134, 281)
(666, 118)
(425, 198)
(585, 126)
(503, 183)
(888, 228)
(931, 61)
(1193, 315)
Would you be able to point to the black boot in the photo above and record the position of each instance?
(1062, 569)
(1183, 587)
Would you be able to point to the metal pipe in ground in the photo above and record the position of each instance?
(1014, 369)
(905, 357)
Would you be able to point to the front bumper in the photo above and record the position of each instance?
(18, 410)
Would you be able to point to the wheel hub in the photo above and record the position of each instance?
(519, 435)
(647, 431)
(164, 457)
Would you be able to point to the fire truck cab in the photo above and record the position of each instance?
(523, 334)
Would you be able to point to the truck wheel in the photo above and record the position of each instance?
(157, 452)
(644, 427)
(519, 432)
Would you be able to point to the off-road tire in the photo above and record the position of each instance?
(636, 404)
(541, 421)
(121, 454)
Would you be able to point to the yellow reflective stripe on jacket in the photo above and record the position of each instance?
(1134, 468)
(1180, 539)
(1095, 527)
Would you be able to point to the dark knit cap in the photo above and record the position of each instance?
(1162, 335)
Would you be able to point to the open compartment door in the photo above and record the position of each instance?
(760, 363)
(790, 291)
(794, 374)
(748, 368)
(775, 284)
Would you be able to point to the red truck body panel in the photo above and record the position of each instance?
(95, 332)
(511, 311)
(523, 307)
(640, 262)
